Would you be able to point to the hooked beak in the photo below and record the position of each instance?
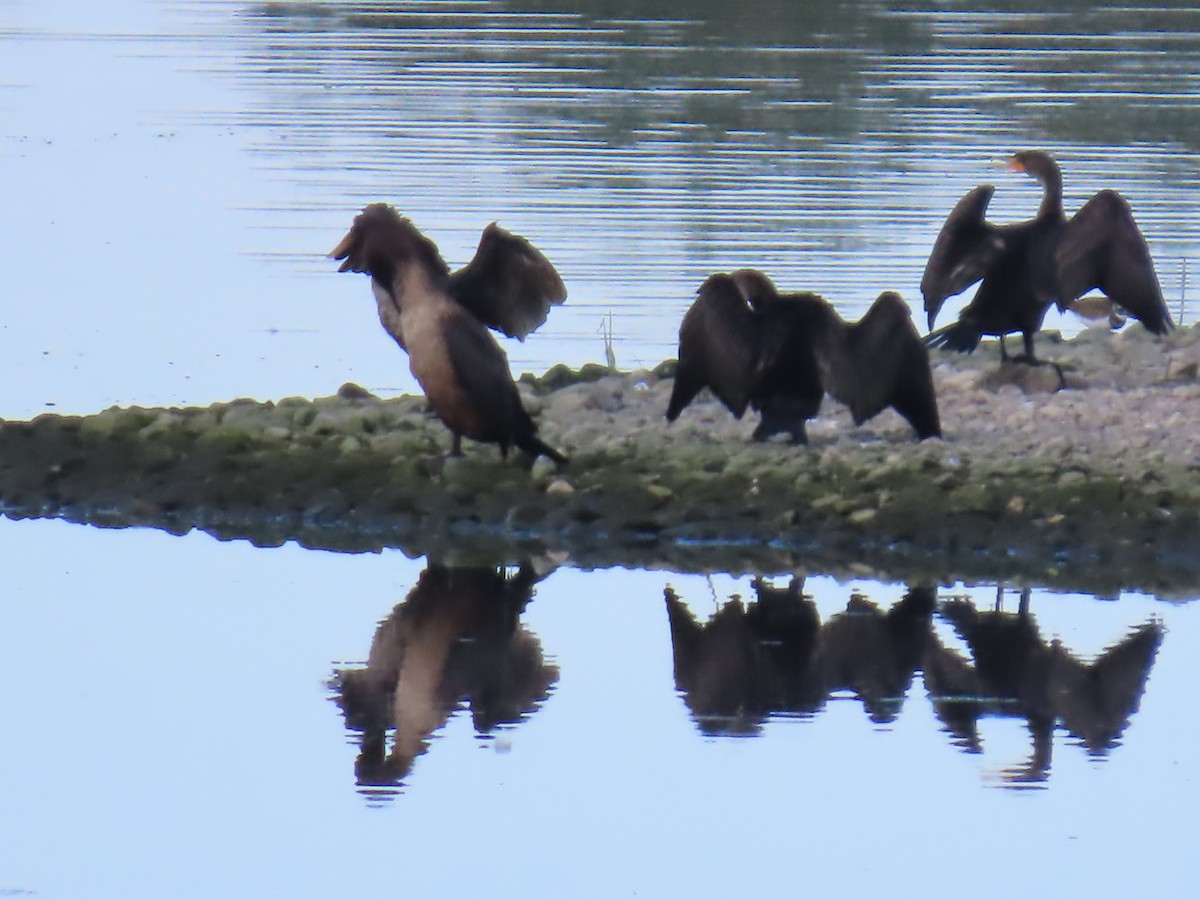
(932, 317)
(342, 251)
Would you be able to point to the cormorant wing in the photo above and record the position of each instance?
(1102, 247)
(509, 285)
(964, 250)
(881, 361)
(482, 371)
(720, 346)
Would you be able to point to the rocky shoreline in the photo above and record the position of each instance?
(1096, 487)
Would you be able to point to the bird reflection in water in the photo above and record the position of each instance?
(1015, 673)
(455, 638)
(774, 656)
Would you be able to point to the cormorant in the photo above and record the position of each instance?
(1029, 265)
(781, 353)
(441, 319)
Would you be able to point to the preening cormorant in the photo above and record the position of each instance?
(442, 319)
(1026, 266)
(781, 353)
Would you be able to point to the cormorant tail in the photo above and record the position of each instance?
(535, 447)
(962, 336)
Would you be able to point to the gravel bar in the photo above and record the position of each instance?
(1094, 487)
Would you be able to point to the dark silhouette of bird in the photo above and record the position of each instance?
(442, 320)
(781, 353)
(455, 640)
(775, 656)
(1016, 673)
(1027, 266)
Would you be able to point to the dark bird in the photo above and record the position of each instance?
(1027, 266)
(442, 320)
(781, 353)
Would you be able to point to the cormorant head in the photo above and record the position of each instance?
(381, 241)
(1034, 162)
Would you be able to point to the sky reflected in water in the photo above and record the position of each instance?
(173, 727)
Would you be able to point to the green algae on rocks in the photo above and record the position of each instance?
(1096, 487)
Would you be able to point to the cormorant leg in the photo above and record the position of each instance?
(1027, 357)
(456, 444)
(776, 421)
(1003, 352)
(1028, 338)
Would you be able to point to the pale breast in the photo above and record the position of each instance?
(389, 312)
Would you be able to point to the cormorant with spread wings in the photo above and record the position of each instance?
(1026, 266)
(781, 353)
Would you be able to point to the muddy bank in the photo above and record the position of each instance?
(1096, 487)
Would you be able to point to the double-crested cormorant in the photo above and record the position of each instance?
(781, 353)
(441, 319)
(1029, 265)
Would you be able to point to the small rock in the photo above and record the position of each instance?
(560, 486)
(543, 467)
(1047, 378)
(352, 391)
(659, 493)
(1070, 477)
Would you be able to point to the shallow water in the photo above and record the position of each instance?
(173, 731)
(173, 716)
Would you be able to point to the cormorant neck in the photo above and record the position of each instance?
(1052, 205)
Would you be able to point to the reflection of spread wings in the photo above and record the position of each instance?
(509, 285)
(964, 250)
(1103, 248)
(879, 362)
(1097, 700)
(720, 343)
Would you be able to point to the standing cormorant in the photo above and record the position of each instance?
(442, 319)
(781, 353)
(1029, 265)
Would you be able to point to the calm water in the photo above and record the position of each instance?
(172, 730)
(189, 718)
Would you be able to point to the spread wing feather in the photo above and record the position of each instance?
(879, 362)
(964, 250)
(1103, 248)
(720, 346)
(509, 285)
